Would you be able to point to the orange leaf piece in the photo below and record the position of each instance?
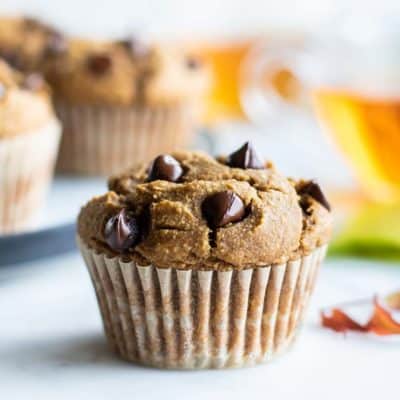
(339, 321)
(380, 323)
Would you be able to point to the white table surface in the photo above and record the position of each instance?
(52, 345)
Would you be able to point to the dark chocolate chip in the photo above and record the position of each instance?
(245, 157)
(312, 189)
(33, 81)
(122, 231)
(99, 64)
(56, 44)
(193, 62)
(222, 208)
(135, 47)
(165, 167)
(2, 90)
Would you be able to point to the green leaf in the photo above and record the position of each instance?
(374, 232)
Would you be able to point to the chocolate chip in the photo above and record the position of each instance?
(165, 167)
(193, 62)
(99, 64)
(33, 81)
(122, 231)
(135, 47)
(245, 157)
(222, 208)
(312, 189)
(56, 44)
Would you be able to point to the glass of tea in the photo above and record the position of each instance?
(350, 73)
(225, 56)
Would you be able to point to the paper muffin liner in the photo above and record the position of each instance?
(27, 164)
(104, 140)
(187, 319)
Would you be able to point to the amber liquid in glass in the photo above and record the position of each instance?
(367, 129)
(225, 60)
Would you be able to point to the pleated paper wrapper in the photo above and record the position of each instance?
(104, 140)
(187, 319)
(27, 165)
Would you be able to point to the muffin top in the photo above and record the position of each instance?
(26, 42)
(189, 210)
(24, 102)
(124, 72)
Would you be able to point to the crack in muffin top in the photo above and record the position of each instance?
(206, 214)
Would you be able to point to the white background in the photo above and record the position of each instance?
(188, 17)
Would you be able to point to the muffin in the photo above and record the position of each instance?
(29, 137)
(204, 263)
(26, 42)
(123, 102)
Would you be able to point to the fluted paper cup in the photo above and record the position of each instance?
(104, 140)
(188, 319)
(27, 165)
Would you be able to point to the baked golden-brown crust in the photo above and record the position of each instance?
(24, 102)
(118, 73)
(110, 73)
(275, 228)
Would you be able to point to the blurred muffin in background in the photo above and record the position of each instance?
(29, 137)
(26, 42)
(122, 102)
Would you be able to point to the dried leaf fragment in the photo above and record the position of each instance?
(381, 321)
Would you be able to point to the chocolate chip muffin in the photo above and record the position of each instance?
(29, 136)
(122, 102)
(204, 263)
(26, 42)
